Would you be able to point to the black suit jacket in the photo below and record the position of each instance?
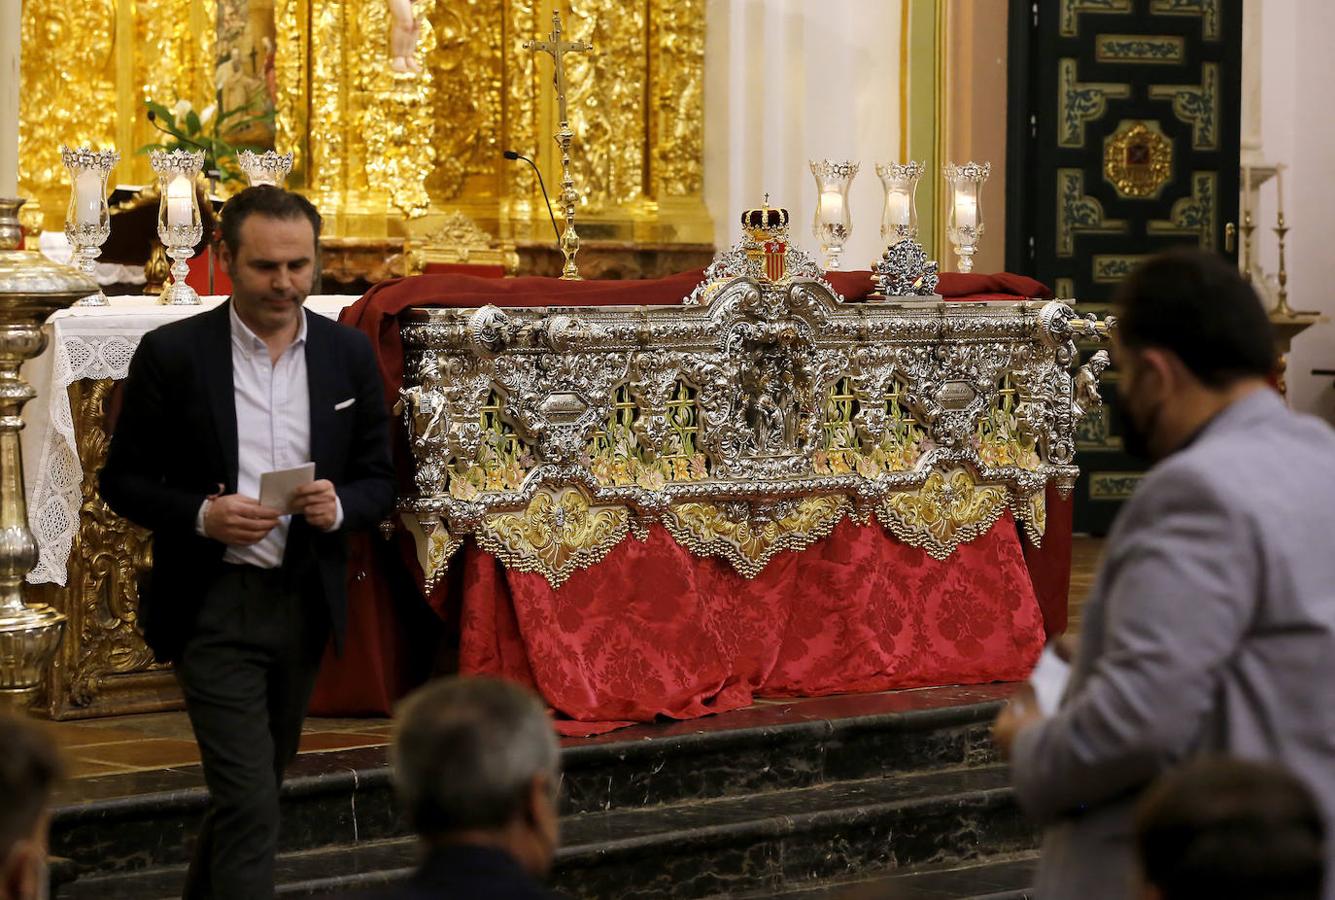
(465, 873)
(175, 443)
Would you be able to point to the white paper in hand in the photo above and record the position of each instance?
(277, 487)
(1049, 680)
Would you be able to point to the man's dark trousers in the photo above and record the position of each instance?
(257, 646)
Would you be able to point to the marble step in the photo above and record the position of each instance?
(1002, 877)
(762, 842)
(123, 823)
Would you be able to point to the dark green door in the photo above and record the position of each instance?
(1123, 139)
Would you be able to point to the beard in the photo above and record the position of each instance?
(1136, 432)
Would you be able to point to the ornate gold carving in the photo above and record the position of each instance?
(469, 40)
(292, 57)
(1079, 213)
(457, 239)
(436, 549)
(1032, 514)
(371, 145)
(676, 119)
(1154, 49)
(607, 96)
(556, 535)
(1079, 102)
(103, 647)
(1195, 104)
(1195, 216)
(947, 511)
(1071, 10)
(522, 89)
(1138, 160)
(59, 39)
(112, 554)
(749, 537)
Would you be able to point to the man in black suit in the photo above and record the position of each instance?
(477, 768)
(242, 598)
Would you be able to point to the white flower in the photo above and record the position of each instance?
(207, 115)
(182, 108)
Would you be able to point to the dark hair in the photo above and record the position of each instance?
(1197, 305)
(29, 768)
(1223, 829)
(265, 200)
(466, 751)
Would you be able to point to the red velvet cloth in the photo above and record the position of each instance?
(653, 630)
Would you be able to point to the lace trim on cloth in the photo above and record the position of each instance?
(57, 488)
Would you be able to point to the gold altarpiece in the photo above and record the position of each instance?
(390, 158)
(389, 155)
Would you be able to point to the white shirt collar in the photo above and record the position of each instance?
(241, 331)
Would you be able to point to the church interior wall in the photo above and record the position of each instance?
(788, 81)
(1296, 71)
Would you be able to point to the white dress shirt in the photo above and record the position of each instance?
(273, 427)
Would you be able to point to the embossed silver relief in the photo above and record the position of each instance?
(730, 419)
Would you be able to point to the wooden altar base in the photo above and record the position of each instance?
(810, 798)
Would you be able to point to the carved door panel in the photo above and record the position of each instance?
(1128, 111)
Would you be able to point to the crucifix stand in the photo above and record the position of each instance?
(568, 197)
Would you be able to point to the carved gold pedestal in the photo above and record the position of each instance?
(104, 667)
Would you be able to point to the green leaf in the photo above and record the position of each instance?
(192, 122)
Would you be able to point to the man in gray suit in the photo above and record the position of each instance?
(1211, 626)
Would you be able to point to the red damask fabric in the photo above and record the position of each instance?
(653, 630)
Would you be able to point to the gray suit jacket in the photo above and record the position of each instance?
(1211, 629)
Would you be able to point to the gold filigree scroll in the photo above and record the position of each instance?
(555, 535)
(949, 510)
(750, 543)
(607, 95)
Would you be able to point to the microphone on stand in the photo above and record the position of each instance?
(511, 154)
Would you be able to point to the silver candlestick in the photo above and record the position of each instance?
(88, 221)
(179, 225)
(964, 220)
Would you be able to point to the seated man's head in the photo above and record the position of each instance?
(1191, 336)
(1222, 829)
(476, 762)
(29, 766)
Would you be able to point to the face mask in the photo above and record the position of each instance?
(1136, 433)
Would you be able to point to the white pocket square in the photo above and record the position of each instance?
(345, 404)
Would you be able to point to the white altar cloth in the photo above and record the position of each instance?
(86, 342)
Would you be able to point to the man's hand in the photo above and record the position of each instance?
(238, 520)
(318, 503)
(1018, 714)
